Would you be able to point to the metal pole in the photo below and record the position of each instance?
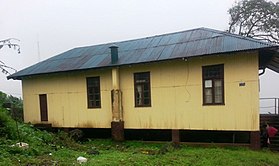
(15, 118)
(275, 106)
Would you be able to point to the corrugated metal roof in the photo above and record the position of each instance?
(190, 43)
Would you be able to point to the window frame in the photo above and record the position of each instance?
(136, 75)
(213, 79)
(93, 104)
(43, 107)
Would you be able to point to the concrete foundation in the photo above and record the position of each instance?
(255, 140)
(175, 134)
(117, 131)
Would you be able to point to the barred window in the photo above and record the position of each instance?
(142, 89)
(213, 84)
(93, 92)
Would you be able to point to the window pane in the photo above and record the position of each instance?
(98, 103)
(138, 102)
(96, 89)
(139, 88)
(90, 104)
(90, 97)
(218, 90)
(146, 87)
(215, 71)
(142, 77)
(208, 96)
(208, 83)
(218, 83)
(90, 90)
(97, 97)
(146, 101)
(146, 94)
(95, 83)
(139, 94)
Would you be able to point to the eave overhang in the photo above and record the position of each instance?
(269, 58)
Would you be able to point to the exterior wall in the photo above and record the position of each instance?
(67, 99)
(176, 96)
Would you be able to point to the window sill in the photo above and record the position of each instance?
(93, 107)
(223, 104)
(144, 106)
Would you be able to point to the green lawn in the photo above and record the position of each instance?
(137, 153)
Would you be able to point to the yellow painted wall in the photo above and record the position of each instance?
(67, 99)
(176, 96)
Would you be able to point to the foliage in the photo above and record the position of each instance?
(7, 125)
(3, 98)
(255, 18)
(59, 149)
(16, 103)
(10, 43)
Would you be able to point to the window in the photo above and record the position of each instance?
(213, 84)
(142, 89)
(93, 92)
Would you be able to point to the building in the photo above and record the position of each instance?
(200, 79)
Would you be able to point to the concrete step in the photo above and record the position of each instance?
(273, 147)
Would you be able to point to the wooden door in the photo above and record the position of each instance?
(43, 107)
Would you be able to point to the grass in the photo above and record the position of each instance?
(136, 153)
(59, 149)
(139, 153)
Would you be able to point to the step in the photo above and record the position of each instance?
(270, 117)
(273, 147)
(269, 120)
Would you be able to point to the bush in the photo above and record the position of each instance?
(14, 102)
(3, 98)
(7, 125)
(63, 139)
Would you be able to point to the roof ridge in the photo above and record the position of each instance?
(193, 40)
(240, 37)
(164, 34)
(172, 33)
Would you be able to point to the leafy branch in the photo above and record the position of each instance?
(10, 42)
(255, 18)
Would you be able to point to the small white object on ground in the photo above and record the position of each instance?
(21, 145)
(81, 159)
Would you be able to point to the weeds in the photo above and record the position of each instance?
(61, 148)
(7, 125)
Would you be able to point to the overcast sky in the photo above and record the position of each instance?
(48, 27)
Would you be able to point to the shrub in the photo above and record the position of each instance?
(14, 102)
(7, 125)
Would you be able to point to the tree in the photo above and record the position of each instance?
(255, 18)
(11, 44)
(15, 103)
